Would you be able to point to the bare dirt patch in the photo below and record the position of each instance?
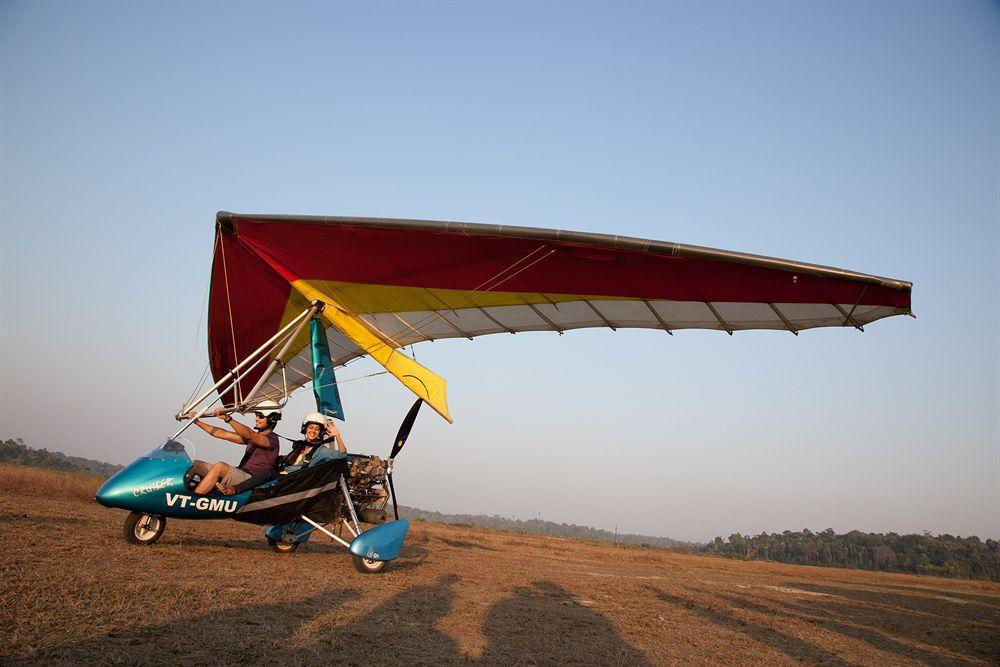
(74, 592)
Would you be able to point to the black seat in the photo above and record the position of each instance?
(255, 480)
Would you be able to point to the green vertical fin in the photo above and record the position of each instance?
(324, 380)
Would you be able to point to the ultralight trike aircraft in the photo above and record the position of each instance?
(308, 294)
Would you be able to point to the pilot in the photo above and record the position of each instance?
(314, 426)
(260, 455)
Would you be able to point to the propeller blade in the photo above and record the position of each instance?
(405, 427)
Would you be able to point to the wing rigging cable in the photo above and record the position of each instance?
(194, 346)
(387, 284)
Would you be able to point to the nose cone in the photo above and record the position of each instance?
(114, 491)
(124, 488)
(143, 484)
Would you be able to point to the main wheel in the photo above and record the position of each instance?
(143, 528)
(283, 547)
(368, 566)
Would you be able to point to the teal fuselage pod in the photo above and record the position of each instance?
(381, 542)
(154, 484)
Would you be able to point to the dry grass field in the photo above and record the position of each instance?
(74, 592)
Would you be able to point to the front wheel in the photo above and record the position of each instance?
(368, 566)
(283, 547)
(143, 528)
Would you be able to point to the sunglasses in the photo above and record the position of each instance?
(260, 415)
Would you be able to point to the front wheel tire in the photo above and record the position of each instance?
(283, 547)
(368, 566)
(143, 528)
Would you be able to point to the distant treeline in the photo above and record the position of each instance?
(16, 452)
(941, 555)
(540, 527)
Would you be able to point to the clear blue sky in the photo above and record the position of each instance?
(858, 135)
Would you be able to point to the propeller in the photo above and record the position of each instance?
(405, 428)
(404, 433)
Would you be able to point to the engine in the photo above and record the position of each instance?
(369, 489)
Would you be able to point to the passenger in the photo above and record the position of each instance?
(261, 453)
(313, 427)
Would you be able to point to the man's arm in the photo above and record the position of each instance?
(247, 434)
(215, 431)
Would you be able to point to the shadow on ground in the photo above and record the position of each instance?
(814, 613)
(255, 633)
(955, 606)
(894, 622)
(401, 630)
(537, 624)
(793, 647)
(903, 626)
(544, 624)
(540, 624)
(984, 600)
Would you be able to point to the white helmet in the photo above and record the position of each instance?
(270, 411)
(268, 408)
(313, 418)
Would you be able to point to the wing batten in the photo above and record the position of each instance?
(495, 321)
(784, 320)
(666, 327)
(725, 327)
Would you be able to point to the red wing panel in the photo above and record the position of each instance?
(454, 261)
